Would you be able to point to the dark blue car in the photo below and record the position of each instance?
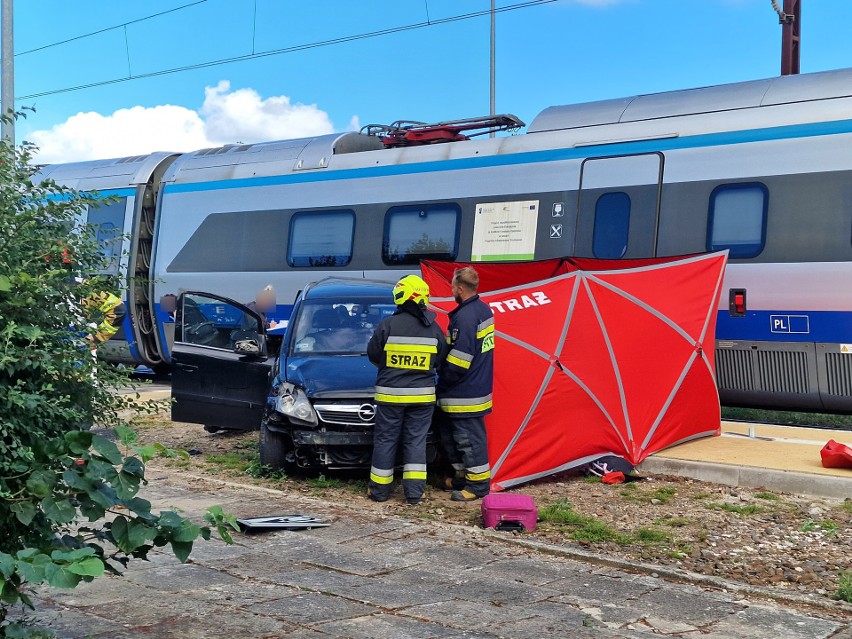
(310, 390)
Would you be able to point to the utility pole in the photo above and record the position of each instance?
(7, 80)
(790, 20)
(493, 81)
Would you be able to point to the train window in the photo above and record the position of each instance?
(239, 242)
(321, 238)
(421, 232)
(106, 222)
(612, 223)
(737, 219)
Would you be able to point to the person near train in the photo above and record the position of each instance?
(465, 384)
(407, 348)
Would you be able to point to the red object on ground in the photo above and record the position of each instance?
(614, 477)
(596, 357)
(836, 455)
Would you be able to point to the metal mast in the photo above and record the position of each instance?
(493, 81)
(7, 81)
(791, 27)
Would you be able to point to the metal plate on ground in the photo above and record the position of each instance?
(282, 522)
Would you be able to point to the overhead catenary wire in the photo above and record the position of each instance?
(292, 49)
(123, 25)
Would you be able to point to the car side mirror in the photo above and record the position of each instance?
(254, 346)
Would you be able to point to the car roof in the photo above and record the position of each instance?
(346, 287)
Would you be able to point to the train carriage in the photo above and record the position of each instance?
(126, 229)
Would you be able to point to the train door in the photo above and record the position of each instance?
(618, 206)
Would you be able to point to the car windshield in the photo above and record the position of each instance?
(337, 327)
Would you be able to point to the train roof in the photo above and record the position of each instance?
(303, 154)
(724, 97)
(114, 173)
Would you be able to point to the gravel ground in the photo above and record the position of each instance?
(797, 543)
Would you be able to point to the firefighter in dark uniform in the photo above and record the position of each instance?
(407, 348)
(465, 383)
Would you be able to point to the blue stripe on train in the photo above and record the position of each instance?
(831, 327)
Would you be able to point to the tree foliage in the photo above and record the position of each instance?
(70, 469)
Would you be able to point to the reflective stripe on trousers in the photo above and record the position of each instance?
(465, 442)
(405, 425)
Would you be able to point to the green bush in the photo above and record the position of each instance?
(59, 476)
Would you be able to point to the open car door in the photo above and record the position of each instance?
(220, 363)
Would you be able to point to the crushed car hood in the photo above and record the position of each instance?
(326, 375)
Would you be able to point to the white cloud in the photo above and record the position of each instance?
(225, 117)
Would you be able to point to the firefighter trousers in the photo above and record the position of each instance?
(465, 444)
(408, 425)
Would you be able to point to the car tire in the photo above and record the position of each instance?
(276, 450)
(211, 429)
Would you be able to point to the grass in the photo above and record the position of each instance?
(748, 509)
(844, 589)
(768, 496)
(595, 531)
(238, 461)
(650, 536)
(561, 512)
(591, 530)
(322, 482)
(791, 418)
(663, 495)
(827, 526)
(674, 522)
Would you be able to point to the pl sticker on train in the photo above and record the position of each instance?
(846, 349)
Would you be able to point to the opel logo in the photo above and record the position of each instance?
(367, 412)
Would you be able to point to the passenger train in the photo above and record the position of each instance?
(760, 168)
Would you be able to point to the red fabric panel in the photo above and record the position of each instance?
(623, 374)
(694, 410)
(493, 276)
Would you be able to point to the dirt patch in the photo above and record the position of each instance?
(760, 537)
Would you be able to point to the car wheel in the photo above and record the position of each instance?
(276, 450)
(211, 429)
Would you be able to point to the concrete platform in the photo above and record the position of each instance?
(783, 458)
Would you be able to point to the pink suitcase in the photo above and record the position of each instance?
(503, 511)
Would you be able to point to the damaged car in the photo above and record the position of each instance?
(308, 391)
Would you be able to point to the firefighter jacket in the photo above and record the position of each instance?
(111, 311)
(407, 348)
(466, 379)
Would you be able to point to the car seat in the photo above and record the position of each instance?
(325, 318)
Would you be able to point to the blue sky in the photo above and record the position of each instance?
(559, 52)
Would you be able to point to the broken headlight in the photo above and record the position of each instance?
(292, 402)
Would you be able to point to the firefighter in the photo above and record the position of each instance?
(465, 382)
(407, 348)
(109, 309)
(100, 305)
